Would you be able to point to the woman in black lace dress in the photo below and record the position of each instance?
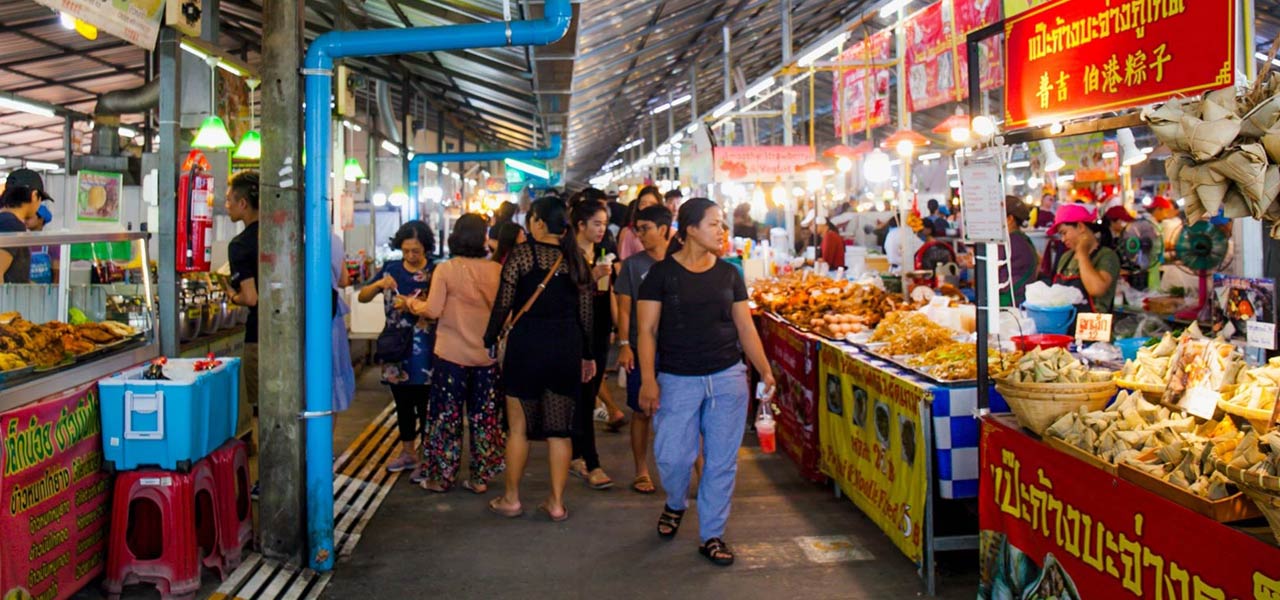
(548, 351)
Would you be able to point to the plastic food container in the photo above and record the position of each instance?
(1051, 319)
(1027, 343)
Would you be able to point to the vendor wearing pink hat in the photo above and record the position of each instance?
(1088, 265)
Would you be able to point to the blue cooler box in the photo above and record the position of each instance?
(170, 423)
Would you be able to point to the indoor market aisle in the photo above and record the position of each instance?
(793, 540)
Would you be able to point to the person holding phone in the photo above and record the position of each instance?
(1088, 265)
(408, 377)
(694, 327)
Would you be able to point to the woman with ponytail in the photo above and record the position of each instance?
(546, 290)
(695, 322)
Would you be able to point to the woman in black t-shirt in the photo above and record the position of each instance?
(694, 319)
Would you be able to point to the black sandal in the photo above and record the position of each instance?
(717, 552)
(670, 521)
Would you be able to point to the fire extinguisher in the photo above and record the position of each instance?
(195, 214)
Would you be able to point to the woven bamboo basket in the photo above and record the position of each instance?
(1258, 417)
(1102, 382)
(1151, 391)
(1036, 411)
(1264, 490)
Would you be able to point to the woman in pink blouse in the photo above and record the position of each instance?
(464, 377)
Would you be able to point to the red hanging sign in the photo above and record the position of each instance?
(970, 15)
(931, 69)
(863, 93)
(1071, 58)
(1054, 526)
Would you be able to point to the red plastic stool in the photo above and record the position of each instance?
(231, 486)
(153, 533)
(207, 518)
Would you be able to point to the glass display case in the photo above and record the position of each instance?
(95, 316)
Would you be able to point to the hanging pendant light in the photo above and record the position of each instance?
(250, 147)
(213, 132)
(213, 135)
(351, 170)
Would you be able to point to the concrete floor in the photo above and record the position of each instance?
(421, 545)
(793, 539)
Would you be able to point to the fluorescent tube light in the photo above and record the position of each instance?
(826, 48)
(26, 107)
(760, 87)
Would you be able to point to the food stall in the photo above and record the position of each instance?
(52, 483)
(1178, 439)
(881, 397)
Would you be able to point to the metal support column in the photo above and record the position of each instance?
(788, 95)
(440, 181)
(280, 285)
(168, 53)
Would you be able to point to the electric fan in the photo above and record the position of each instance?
(1202, 248)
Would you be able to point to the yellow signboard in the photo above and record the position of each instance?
(873, 444)
(1013, 7)
(134, 21)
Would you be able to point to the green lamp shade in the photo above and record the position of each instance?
(351, 170)
(213, 135)
(250, 147)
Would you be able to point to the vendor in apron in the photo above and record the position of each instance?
(1088, 265)
(1023, 261)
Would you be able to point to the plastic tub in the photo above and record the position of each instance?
(1129, 346)
(1027, 343)
(1051, 319)
(170, 423)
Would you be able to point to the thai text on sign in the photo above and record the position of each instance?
(1077, 57)
(1124, 542)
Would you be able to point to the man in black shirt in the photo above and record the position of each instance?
(242, 206)
(24, 191)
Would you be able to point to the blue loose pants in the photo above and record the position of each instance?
(711, 409)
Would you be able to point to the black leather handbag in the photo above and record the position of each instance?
(394, 344)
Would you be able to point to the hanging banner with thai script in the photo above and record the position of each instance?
(1072, 58)
(1054, 526)
(759, 163)
(793, 355)
(931, 67)
(53, 496)
(970, 15)
(863, 93)
(873, 445)
(134, 21)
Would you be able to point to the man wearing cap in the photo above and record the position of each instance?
(1087, 265)
(20, 204)
(1023, 266)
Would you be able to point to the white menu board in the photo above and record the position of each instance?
(982, 192)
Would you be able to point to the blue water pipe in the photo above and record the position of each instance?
(318, 71)
(415, 164)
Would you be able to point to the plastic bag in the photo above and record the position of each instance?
(1102, 352)
(1039, 294)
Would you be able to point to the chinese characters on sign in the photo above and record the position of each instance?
(1069, 58)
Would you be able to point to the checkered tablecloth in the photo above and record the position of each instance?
(955, 427)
